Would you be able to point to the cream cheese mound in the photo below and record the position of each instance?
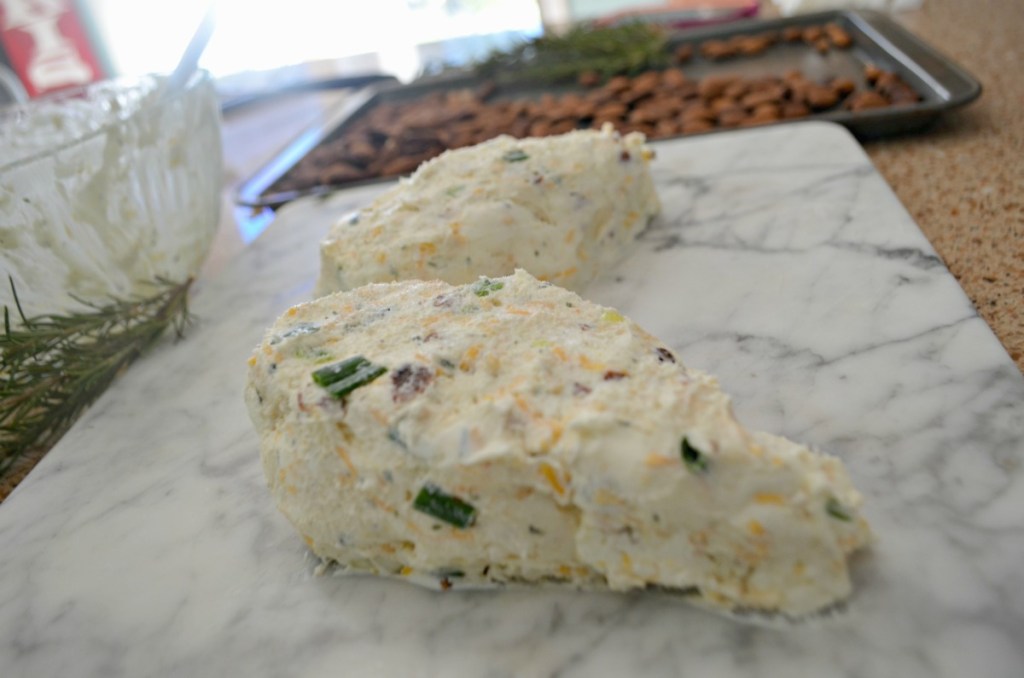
(562, 207)
(507, 431)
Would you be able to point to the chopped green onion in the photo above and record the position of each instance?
(515, 156)
(326, 376)
(296, 331)
(486, 286)
(693, 458)
(342, 378)
(361, 377)
(837, 510)
(434, 501)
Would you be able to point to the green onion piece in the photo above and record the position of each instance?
(361, 377)
(515, 156)
(486, 286)
(326, 376)
(837, 510)
(434, 501)
(692, 457)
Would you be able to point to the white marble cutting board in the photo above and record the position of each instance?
(147, 544)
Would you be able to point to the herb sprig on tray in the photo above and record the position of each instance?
(618, 50)
(54, 366)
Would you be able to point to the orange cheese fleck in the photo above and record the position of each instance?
(769, 498)
(551, 476)
(345, 458)
(656, 460)
(755, 528)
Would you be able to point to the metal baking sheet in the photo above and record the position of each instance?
(942, 84)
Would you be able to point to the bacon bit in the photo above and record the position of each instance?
(524, 492)
(443, 300)
(301, 403)
(665, 355)
(446, 584)
(408, 381)
(552, 477)
(586, 327)
(625, 156)
(430, 336)
(345, 458)
(769, 498)
(614, 375)
(538, 179)
(579, 389)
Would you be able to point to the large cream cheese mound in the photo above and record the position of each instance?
(562, 207)
(519, 434)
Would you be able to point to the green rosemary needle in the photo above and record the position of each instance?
(627, 49)
(54, 366)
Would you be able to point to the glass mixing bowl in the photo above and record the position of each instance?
(106, 189)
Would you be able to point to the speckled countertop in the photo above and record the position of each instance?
(962, 180)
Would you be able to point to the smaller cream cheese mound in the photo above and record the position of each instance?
(507, 431)
(562, 207)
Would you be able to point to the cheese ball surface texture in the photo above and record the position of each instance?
(507, 431)
(563, 208)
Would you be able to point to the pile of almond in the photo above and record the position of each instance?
(393, 138)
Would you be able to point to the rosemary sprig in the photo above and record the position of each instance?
(54, 366)
(618, 50)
